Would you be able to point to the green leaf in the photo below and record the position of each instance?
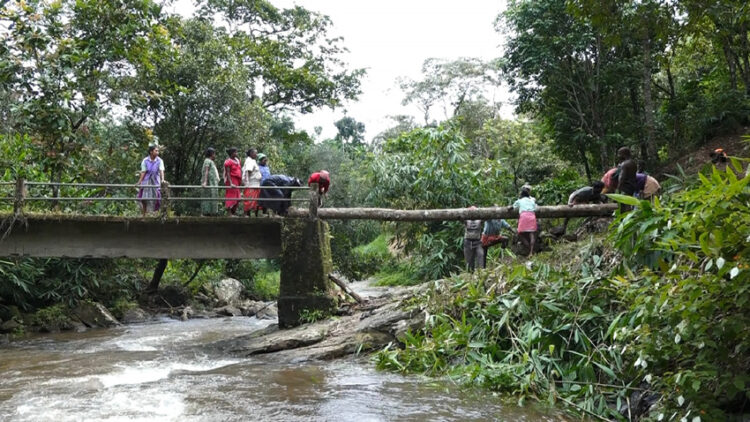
(624, 199)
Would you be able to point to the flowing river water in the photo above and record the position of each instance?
(156, 371)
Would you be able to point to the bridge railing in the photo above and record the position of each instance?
(114, 198)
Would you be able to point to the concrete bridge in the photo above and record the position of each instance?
(301, 241)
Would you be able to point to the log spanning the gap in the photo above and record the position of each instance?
(459, 214)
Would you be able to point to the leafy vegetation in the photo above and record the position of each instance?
(664, 316)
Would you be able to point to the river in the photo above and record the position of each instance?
(156, 371)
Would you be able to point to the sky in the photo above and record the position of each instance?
(391, 39)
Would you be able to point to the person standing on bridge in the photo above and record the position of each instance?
(251, 178)
(323, 179)
(527, 227)
(265, 173)
(152, 174)
(209, 181)
(232, 179)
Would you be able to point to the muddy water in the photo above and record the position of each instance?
(157, 372)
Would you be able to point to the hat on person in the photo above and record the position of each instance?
(325, 174)
(261, 156)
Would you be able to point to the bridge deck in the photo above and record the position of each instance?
(82, 236)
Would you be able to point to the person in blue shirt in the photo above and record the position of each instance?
(491, 234)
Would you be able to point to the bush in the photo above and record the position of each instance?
(53, 318)
(265, 285)
(668, 323)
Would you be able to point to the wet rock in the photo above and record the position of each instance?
(274, 340)
(411, 325)
(187, 313)
(9, 326)
(384, 318)
(202, 315)
(78, 326)
(94, 314)
(228, 291)
(269, 311)
(251, 307)
(135, 315)
(200, 297)
(228, 311)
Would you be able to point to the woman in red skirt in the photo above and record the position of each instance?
(233, 179)
(526, 206)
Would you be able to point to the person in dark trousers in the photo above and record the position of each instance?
(473, 250)
(278, 180)
(527, 226)
(627, 183)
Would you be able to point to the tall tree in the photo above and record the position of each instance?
(67, 62)
(450, 85)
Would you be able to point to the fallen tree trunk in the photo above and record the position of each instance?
(348, 290)
(460, 214)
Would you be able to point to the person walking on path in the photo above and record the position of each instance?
(210, 181)
(527, 227)
(251, 178)
(473, 250)
(323, 179)
(233, 179)
(152, 174)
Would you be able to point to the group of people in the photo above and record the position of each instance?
(625, 179)
(250, 183)
(478, 238)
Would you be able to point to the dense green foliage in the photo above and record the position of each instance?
(655, 75)
(666, 315)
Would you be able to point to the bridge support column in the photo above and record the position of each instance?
(305, 265)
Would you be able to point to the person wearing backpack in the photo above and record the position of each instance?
(473, 249)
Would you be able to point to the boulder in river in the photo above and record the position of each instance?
(9, 326)
(228, 311)
(94, 314)
(251, 307)
(135, 315)
(228, 291)
(269, 311)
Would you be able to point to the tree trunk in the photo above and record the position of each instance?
(648, 153)
(153, 287)
(585, 160)
(457, 214)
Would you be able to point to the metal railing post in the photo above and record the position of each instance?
(20, 196)
(314, 201)
(166, 204)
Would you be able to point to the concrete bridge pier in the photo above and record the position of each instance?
(305, 265)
